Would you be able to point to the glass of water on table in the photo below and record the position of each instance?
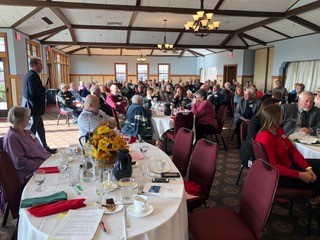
(39, 176)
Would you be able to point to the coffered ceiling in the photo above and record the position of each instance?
(134, 27)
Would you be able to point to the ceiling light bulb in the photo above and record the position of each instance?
(160, 46)
(200, 14)
(195, 17)
(209, 16)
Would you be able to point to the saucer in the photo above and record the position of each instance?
(165, 169)
(131, 210)
(119, 207)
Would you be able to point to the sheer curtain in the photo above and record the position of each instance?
(208, 73)
(307, 72)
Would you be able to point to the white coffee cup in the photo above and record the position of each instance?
(160, 164)
(140, 203)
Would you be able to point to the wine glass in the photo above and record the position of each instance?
(39, 176)
(63, 167)
(101, 190)
(144, 169)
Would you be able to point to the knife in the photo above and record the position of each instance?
(125, 218)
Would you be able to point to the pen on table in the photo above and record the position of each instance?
(103, 227)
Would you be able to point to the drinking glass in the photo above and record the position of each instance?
(144, 169)
(39, 176)
(63, 167)
(101, 190)
(144, 150)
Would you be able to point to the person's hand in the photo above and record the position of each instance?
(310, 171)
(306, 177)
(306, 130)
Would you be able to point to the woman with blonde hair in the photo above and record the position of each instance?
(295, 171)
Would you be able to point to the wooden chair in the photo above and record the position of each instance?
(287, 194)
(62, 112)
(255, 206)
(11, 184)
(202, 169)
(182, 149)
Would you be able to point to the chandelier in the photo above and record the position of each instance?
(201, 25)
(164, 47)
(141, 59)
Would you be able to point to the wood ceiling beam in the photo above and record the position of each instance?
(88, 51)
(253, 39)
(216, 8)
(151, 52)
(181, 53)
(305, 23)
(227, 39)
(138, 3)
(178, 39)
(113, 7)
(139, 46)
(273, 30)
(66, 21)
(75, 50)
(47, 37)
(195, 53)
(143, 29)
(243, 40)
(133, 18)
(51, 31)
(210, 50)
(26, 17)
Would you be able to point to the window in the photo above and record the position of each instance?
(120, 72)
(163, 72)
(33, 50)
(142, 71)
(2, 44)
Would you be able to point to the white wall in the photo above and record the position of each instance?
(297, 49)
(81, 64)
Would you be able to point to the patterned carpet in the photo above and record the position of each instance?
(224, 192)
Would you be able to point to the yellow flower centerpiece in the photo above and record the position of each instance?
(105, 142)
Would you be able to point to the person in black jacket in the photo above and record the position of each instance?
(33, 97)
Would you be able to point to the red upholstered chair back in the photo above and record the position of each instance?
(243, 131)
(259, 151)
(183, 120)
(182, 148)
(10, 182)
(115, 116)
(1, 143)
(203, 165)
(221, 117)
(257, 195)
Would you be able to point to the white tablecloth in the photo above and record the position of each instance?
(160, 125)
(307, 150)
(168, 220)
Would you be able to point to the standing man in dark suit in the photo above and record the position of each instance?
(33, 97)
(302, 116)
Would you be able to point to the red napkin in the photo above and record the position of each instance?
(192, 188)
(132, 139)
(57, 207)
(49, 169)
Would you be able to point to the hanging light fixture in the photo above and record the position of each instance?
(164, 47)
(201, 25)
(141, 59)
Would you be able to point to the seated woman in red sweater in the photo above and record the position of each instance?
(205, 115)
(295, 171)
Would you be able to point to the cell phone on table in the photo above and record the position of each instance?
(160, 180)
(154, 189)
(170, 175)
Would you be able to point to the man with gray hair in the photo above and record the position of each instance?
(105, 107)
(138, 120)
(247, 106)
(91, 117)
(302, 116)
(33, 97)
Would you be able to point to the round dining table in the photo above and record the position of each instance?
(160, 124)
(308, 149)
(168, 219)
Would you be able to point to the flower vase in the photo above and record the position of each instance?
(108, 162)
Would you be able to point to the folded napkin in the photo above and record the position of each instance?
(29, 202)
(132, 139)
(192, 188)
(136, 155)
(49, 169)
(53, 208)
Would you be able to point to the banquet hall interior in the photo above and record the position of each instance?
(167, 42)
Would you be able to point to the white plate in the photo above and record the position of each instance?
(111, 186)
(308, 140)
(119, 207)
(165, 169)
(131, 210)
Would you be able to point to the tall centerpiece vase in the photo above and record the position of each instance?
(108, 162)
(122, 167)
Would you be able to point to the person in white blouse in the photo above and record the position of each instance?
(317, 98)
(91, 117)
